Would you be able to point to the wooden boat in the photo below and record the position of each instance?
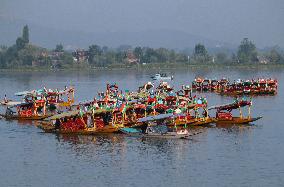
(224, 115)
(237, 87)
(154, 133)
(79, 122)
(35, 110)
(16, 117)
(155, 127)
(86, 131)
(203, 121)
(250, 87)
(236, 120)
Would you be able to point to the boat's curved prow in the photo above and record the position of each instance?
(257, 118)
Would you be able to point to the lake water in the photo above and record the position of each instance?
(223, 156)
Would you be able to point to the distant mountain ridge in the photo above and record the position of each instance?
(48, 37)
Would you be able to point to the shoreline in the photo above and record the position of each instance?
(153, 66)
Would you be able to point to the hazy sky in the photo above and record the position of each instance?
(224, 20)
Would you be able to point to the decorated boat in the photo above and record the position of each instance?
(80, 122)
(224, 113)
(26, 111)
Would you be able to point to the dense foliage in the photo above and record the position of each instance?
(24, 54)
(247, 52)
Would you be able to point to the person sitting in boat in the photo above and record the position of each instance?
(236, 100)
(205, 113)
(95, 104)
(45, 90)
(9, 112)
(57, 124)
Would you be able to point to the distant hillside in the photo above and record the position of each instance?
(48, 37)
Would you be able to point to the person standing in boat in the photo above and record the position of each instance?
(5, 99)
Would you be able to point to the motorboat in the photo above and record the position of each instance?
(162, 76)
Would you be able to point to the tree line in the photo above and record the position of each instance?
(24, 54)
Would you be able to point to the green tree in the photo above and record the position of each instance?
(59, 48)
(200, 54)
(94, 52)
(138, 52)
(247, 52)
(20, 43)
(163, 55)
(120, 56)
(25, 35)
(200, 50)
(67, 58)
(2, 58)
(104, 49)
(274, 55)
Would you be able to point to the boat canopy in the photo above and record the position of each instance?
(154, 118)
(231, 106)
(75, 113)
(99, 111)
(23, 105)
(63, 115)
(23, 93)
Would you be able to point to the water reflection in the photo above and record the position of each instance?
(88, 139)
(235, 129)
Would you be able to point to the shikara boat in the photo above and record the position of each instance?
(26, 111)
(37, 104)
(79, 122)
(248, 87)
(224, 113)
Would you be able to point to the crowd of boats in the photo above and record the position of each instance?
(152, 111)
(236, 87)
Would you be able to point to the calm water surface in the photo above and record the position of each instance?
(222, 156)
